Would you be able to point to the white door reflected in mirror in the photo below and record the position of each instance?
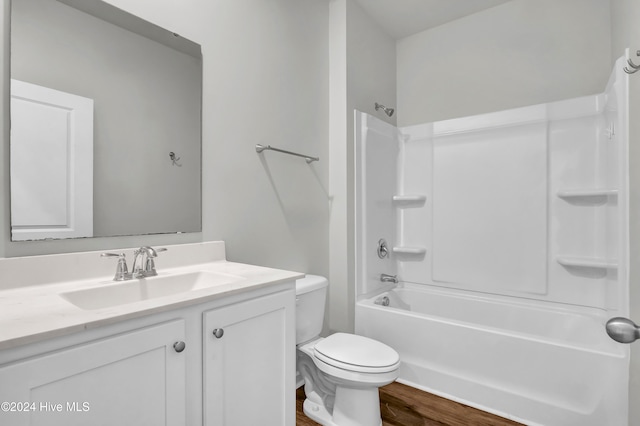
(51, 163)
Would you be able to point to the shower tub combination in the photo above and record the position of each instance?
(502, 299)
(534, 365)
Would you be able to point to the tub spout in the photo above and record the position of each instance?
(386, 278)
(382, 301)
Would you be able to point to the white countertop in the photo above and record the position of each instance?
(36, 312)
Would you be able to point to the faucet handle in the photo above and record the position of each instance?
(158, 250)
(112, 254)
(150, 251)
(122, 272)
(150, 266)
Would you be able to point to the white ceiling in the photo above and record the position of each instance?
(401, 18)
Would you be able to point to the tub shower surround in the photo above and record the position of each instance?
(508, 234)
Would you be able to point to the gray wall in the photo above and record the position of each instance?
(522, 52)
(147, 103)
(265, 81)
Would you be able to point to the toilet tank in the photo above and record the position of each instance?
(311, 294)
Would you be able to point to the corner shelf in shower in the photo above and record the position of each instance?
(415, 251)
(409, 200)
(592, 196)
(587, 262)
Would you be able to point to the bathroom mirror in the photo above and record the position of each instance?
(106, 123)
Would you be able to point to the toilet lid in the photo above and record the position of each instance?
(357, 353)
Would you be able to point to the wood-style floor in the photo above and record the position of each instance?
(402, 405)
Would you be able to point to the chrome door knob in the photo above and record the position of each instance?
(179, 346)
(623, 330)
(218, 332)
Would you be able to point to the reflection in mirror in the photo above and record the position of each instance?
(100, 99)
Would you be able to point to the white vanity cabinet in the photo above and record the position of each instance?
(136, 372)
(132, 378)
(249, 348)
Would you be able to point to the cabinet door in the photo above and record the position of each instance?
(135, 378)
(249, 371)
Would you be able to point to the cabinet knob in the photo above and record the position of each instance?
(179, 346)
(218, 332)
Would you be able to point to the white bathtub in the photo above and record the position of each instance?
(545, 365)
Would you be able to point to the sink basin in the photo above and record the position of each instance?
(136, 290)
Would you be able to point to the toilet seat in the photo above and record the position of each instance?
(357, 354)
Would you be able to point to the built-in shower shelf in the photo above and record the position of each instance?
(409, 200)
(410, 250)
(594, 195)
(587, 262)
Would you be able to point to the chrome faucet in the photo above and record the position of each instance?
(386, 278)
(145, 267)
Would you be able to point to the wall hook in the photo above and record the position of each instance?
(174, 159)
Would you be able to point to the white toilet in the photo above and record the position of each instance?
(342, 372)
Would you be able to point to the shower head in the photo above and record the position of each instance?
(388, 111)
